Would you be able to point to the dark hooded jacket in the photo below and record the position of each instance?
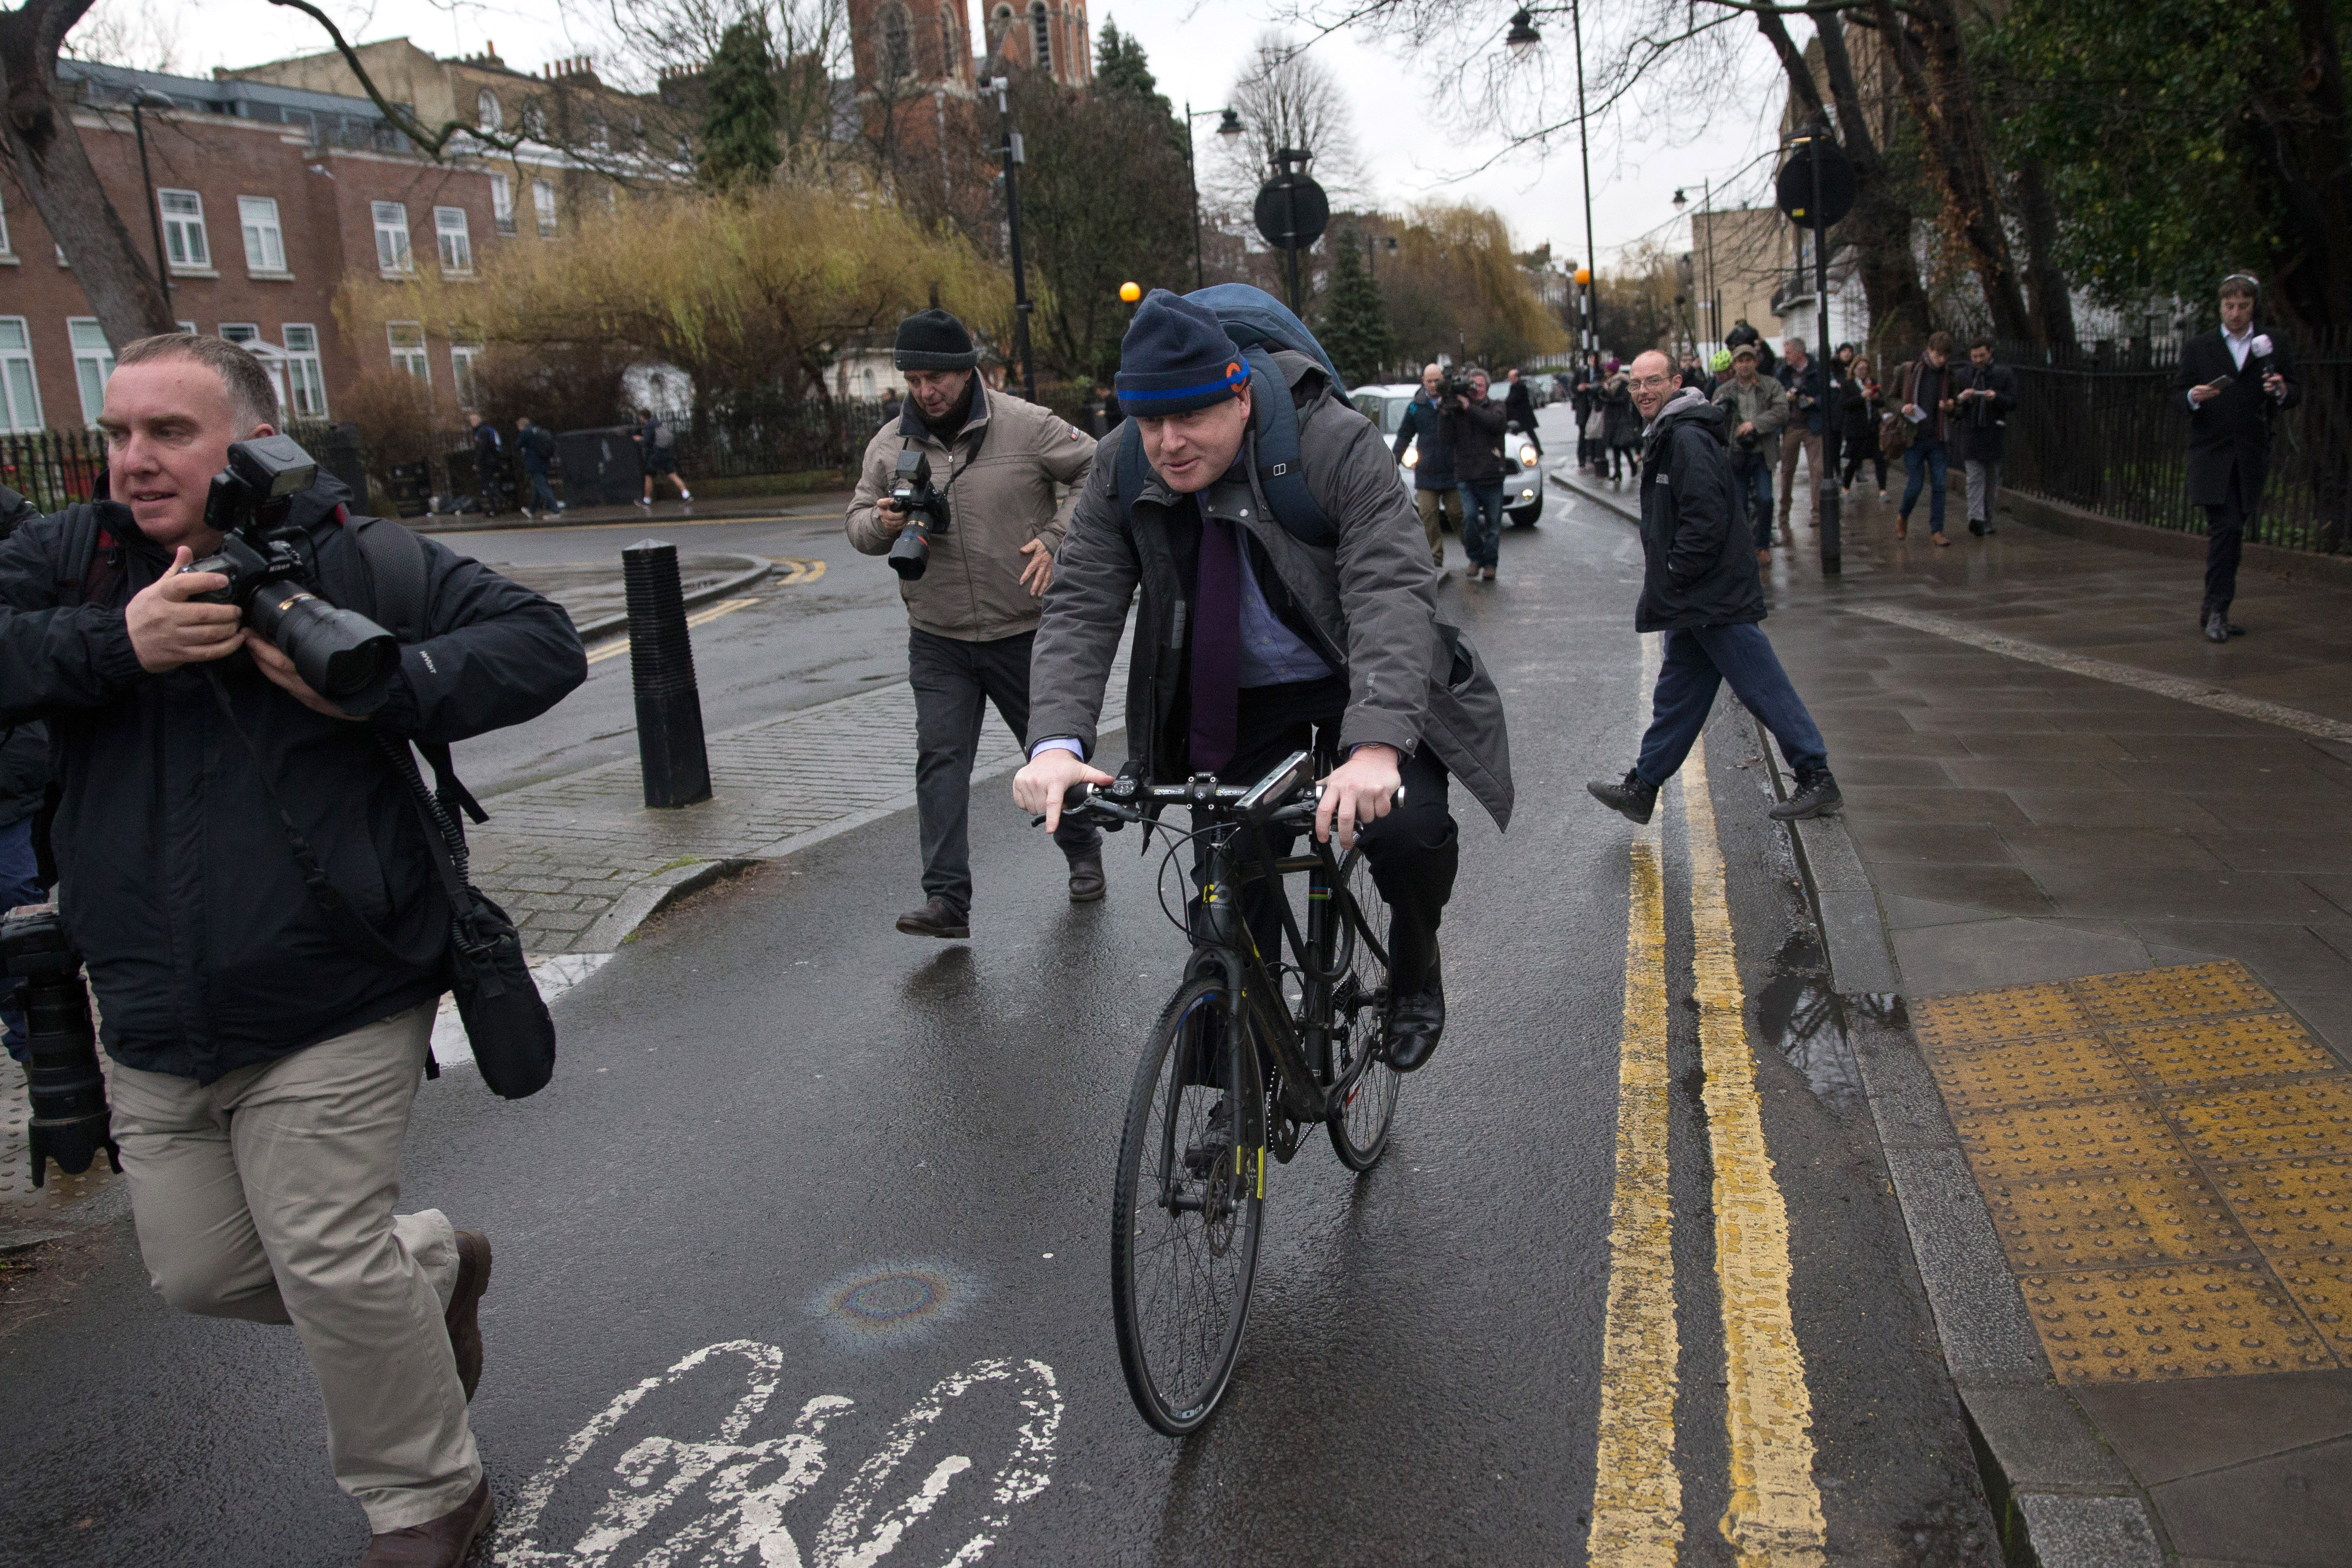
(206, 950)
(1699, 560)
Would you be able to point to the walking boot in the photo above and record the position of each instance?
(2217, 628)
(939, 918)
(440, 1542)
(463, 1317)
(1817, 793)
(1416, 1023)
(1633, 800)
(1086, 879)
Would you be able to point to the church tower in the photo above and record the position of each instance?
(912, 45)
(1049, 35)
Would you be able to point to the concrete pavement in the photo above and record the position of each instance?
(2054, 787)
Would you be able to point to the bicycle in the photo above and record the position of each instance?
(1237, 1066)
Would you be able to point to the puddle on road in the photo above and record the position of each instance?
(1805, 1021)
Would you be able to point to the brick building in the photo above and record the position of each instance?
(266, 197)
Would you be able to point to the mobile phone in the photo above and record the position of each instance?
(2218, 383)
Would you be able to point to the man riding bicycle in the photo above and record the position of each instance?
(1266, 628)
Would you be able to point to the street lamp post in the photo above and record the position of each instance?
(1012, 234)
(148, 97)
(1283, 158)
(1584, 152)
(1228, 128)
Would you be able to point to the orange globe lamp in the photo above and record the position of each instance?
(1130, 292)
(1583, 276)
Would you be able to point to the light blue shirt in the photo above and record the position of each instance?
(1272, 653)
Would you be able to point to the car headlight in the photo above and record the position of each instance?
(1413, 456)
(1528, 455)
(1527, 495)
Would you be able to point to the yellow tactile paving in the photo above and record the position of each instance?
(2167, 1156)
(2322, 1287)
(2294, 1208)
(2196, 1057)
(2032, 1072)
(2204, 1321)
(2170, 1216)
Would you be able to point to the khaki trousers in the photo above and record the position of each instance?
(1794, 437)
(1430, 503)
(267, 1195)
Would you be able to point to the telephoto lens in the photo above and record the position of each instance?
(911, 553)
(70, 1120)
(342, 655)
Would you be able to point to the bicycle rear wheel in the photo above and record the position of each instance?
(1360, 1013)
(1185, 1214)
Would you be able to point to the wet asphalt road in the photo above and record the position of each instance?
(800, 643)
(771, 1099)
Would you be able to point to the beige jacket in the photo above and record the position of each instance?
(999, 483)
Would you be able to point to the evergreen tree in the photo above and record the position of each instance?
(739, 124)
(1355, 330)
(1120, 67)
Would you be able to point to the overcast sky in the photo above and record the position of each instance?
(1196, 48)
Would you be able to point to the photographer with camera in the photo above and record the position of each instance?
(1470, 423)
(1755, 407)
(959, 492)
(265, 1057)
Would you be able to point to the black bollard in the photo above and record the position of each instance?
(1827, 532)
(661, 667)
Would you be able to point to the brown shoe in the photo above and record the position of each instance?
(1902, 528)
(465, 1303)
(1087, 885)
(440, 1542)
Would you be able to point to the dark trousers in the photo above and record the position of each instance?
(2225, 541)
(1857, 453)
(954, 681)
(1929, 466)
(1751, 474)
(1482, 520)
(541, 497)
(1414, 850)
(1697, 661)
(20, 883)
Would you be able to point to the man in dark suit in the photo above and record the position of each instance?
(2233, 380)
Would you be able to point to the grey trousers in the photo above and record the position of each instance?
(954, 681)
(267, 1195)
(1984, 489)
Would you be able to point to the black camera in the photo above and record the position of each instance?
(70, 1120)
(927, 514)
(344, 656)
(1452, 385)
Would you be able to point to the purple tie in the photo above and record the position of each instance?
(1216, 646)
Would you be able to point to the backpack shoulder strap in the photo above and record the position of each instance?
(395, 563)
(90, 552)
(1280, 469)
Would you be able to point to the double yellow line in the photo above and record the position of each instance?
(1774, 1517)
(703, 617)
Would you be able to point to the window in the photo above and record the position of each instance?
(183, 230)
(265, 242)
(187, 327)
(534, 122)
(502, 204)
(948, 53)
(487, 113)
(20, 393)
(456, 243)
(93, 362)
(392, 238)
(306, 382)
(461, 368)
(247, 335)
(897, 46)
(407, 338)
(1041, 35)
(239, 332)
(600, 134)
(542, 201)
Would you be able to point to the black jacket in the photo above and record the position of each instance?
(2229, 437)
(1474, 431)
(1980, 425)
(1699, 560)
(538, 447)
(23, 771)
(205, 949)
(1808, 395)
(1434, 470)
(1519, 406)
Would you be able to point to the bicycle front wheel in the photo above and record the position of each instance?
(1186, 1208)
(1360, 1014)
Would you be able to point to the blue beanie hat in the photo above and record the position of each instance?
(1176, 357)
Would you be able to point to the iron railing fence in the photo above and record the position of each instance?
(2102, 428)
(56, 468)
(770, 434)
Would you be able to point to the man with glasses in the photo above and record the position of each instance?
(1700, 587)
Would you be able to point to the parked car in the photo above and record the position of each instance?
(1523, 495)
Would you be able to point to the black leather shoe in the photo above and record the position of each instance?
(2233, 629)
(1633, 800)
(2217, 629)
(1087, 885)
(939, 918)
(1817, 794)
(1416, 1023)
(1978, 528)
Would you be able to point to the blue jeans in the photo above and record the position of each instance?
(1697, 661)
(1481, 521)
(1925, 461)
(541, 497)
(19, 883)
(1751, 473)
